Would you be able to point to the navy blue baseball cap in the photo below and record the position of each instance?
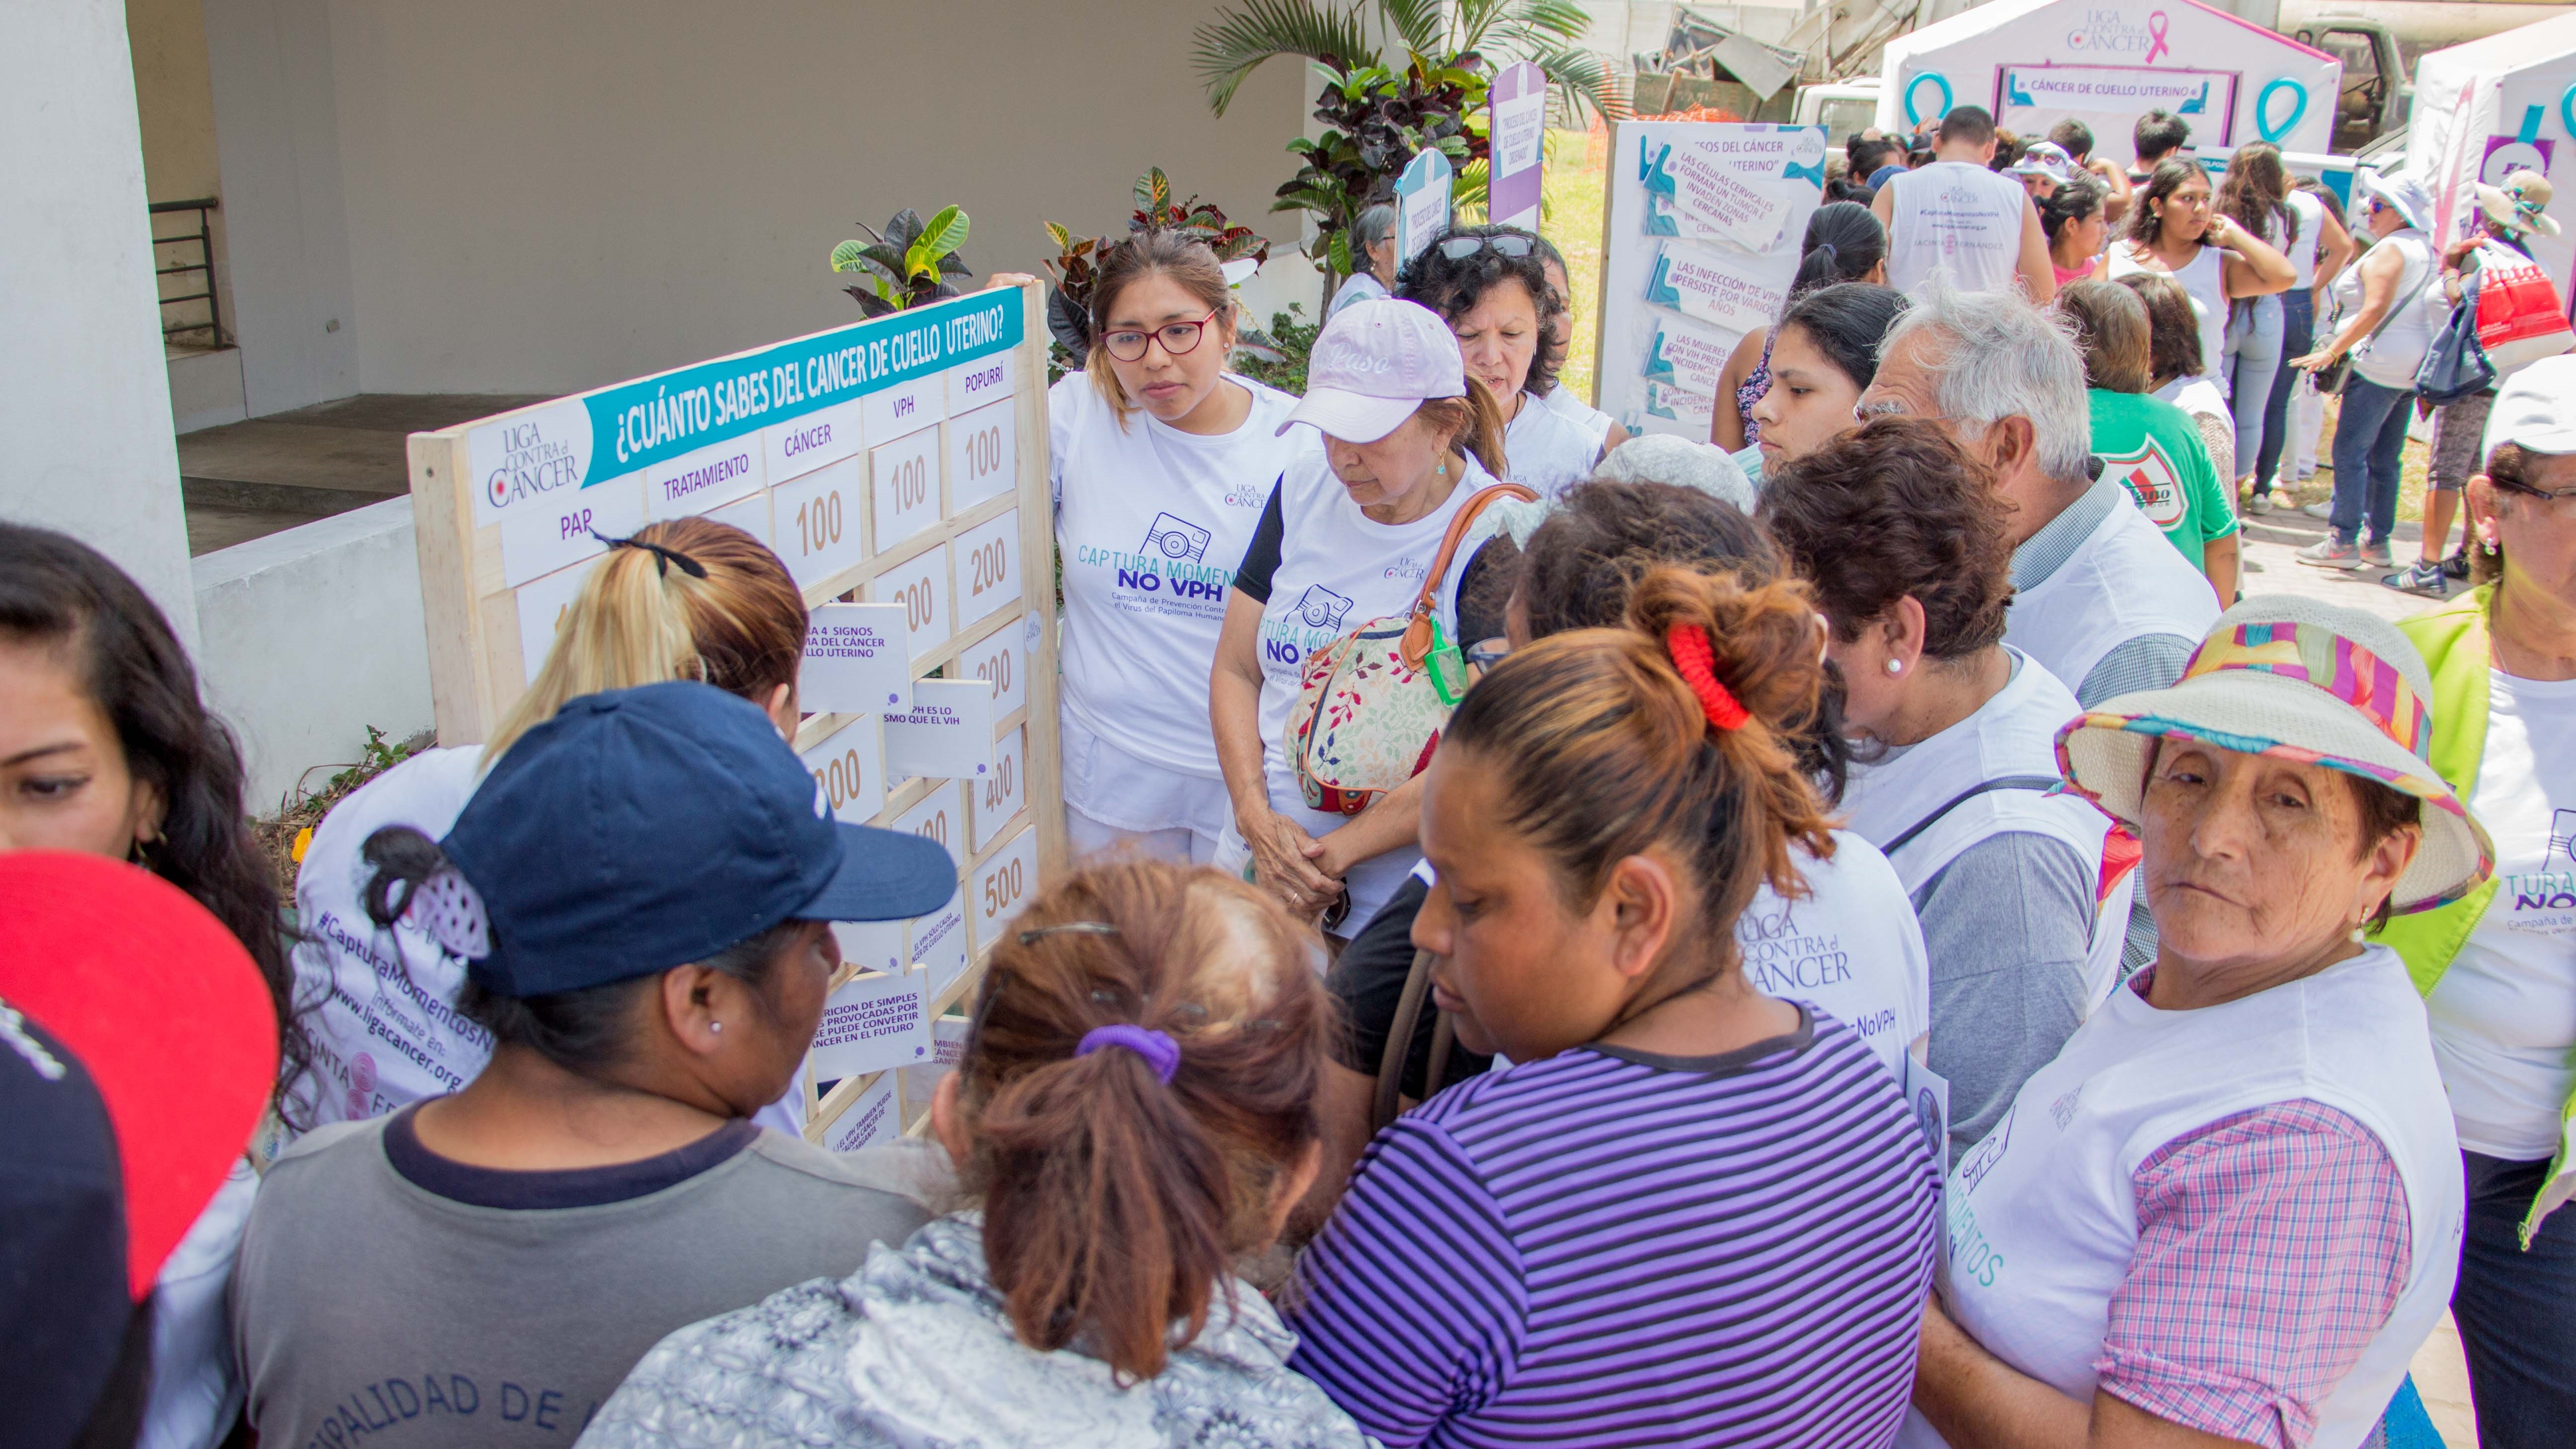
(642, 829)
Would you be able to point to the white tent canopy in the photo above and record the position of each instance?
(2495, 106)
(2034, 63)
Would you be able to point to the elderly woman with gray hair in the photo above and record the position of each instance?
(1373, 247)
(2100, 598)
(2230, 1211)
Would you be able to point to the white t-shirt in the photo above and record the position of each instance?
(1338, 569)
(2043, 1212)
(1360, 286)
(1561, 400)
(1957, 218)
(1152, 522)
(2204, 280)
(2312, 239)
(387, 1032)
(1548, 450)
(2504, 1015)
(1852, 948)
(2196, 396)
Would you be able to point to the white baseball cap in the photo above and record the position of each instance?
(1375, 363)
(2536, 408)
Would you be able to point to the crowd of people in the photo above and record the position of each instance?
(1580, 980)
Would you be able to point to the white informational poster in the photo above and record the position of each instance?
(1699, 241)
(1421, 203)
(2034, 63)
(2492, 107)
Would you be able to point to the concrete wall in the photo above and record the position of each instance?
(84, 402)
(310, 636)
(286, 230)
(558, 196)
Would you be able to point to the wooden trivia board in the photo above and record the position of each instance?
(901, 461)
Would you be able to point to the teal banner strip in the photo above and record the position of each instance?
(639, 424)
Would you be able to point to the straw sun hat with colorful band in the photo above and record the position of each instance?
(2301, 681)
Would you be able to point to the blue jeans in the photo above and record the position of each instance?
(2253, 360)
(2517, 1310)
(2298, 339)
(2369, 445)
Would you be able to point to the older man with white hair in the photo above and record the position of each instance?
(2100, 599)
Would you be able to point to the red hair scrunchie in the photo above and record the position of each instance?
(1696, 658)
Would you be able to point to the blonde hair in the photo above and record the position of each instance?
(642, 619)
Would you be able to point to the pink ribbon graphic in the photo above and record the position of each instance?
(2157, 24)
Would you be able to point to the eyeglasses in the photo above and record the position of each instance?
(1488, 654)
(1460, 248)
(2525, 490)
(1178, 339)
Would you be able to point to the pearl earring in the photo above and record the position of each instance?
(715, 1026)
(1896, 666)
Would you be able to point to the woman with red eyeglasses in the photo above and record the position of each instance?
(1162, 460)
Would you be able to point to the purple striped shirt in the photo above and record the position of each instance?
(1613, 1247)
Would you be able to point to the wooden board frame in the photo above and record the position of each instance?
(471, 546)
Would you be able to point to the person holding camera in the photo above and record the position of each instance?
(1161, 460)
(1348, 536)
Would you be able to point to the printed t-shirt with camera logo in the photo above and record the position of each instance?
(2504, 1014)
(1321, 568)
(2154, 449)
(1151, 521)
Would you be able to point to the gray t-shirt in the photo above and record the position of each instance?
(390, 1296)
(2008, 925)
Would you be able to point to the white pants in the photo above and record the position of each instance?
(1093, 840)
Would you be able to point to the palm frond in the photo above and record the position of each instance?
(1422, 24)
(1586, 79)
(1565, 19)
(1233, 46)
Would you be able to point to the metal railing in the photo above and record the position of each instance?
(203, 240)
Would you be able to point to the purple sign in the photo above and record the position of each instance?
(1519, 133)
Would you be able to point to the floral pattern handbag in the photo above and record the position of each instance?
(1370, 706)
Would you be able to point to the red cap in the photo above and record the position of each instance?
(164, 1008)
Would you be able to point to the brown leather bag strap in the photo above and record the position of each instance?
(1399, 1044)
(1417, 634)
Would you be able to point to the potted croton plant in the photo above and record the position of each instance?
(1076, 263)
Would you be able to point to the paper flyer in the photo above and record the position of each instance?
(1700, 284)
(869, 1024)
(874, 1120)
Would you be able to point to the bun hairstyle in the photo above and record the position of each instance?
(2070, 203)
(1843, 241)
(1116, 1201)
(1603, 748)
(1892, 511)
(1189, 264)
(589, 1032)
(1583, 565)
(642, 618)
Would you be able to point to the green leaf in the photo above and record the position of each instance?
(1420, 23)
(1063, 239)
(945, 233)
(1339, 253)
(1153, 191)
(1236, 43)
(849, 256)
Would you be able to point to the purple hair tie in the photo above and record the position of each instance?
(1157, 1048)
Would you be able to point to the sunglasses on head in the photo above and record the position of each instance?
(1459, 248)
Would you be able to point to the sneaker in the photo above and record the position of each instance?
(2425, 579)
(2331, 553)
(2375, 555)
(2320, 510)
(2457, 565)
(2259, 503)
